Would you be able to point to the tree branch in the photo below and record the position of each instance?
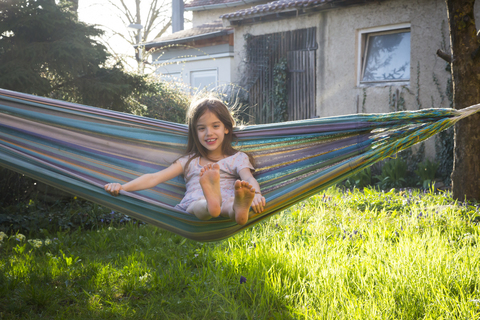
(445, 56)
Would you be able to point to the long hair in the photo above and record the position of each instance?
(196, 110)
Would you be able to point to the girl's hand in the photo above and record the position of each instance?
(113, 188)
(258, 203)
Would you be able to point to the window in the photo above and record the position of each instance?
(385, 56)
(203, 79)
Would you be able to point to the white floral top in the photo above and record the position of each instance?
(229, 173)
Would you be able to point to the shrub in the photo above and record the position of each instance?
(426, 172)
(14, 187)
(169, 102)
(360, 179)
(393, 174)
(32, 216)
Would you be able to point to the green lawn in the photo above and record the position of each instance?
(360, 255)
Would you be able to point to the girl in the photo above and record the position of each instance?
(211, 168)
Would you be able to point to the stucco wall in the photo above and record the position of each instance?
(337, 57)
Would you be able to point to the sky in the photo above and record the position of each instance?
(104, 14)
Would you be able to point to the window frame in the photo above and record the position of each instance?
(363, 38)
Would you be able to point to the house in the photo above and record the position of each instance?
(343, 56)
(203, 56)
(315, 58)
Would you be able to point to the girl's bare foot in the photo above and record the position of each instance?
(210, 182)
(244, 194)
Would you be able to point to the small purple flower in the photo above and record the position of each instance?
(243, 279)
(112, 212)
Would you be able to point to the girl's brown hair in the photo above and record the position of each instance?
(218, 108)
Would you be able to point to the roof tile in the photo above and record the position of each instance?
(206, 3)
(210, 27)
(280, 5)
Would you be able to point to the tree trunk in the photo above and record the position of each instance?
(140, 49)
(465, 47)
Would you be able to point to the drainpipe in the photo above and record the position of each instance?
(177, 15)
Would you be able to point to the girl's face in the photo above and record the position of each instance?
(211, 133)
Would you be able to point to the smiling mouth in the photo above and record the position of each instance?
(211, 140)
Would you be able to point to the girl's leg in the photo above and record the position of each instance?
(199, 208)
(210, 183)
(237, 208)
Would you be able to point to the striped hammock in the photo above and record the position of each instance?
(79, 148)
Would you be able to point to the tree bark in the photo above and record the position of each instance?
(466, 91)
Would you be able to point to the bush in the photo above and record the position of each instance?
(426, 172)
(393, 174)
(15, 187)
(33, 216)
(360, 179)
(169, 102)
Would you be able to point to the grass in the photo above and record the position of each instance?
(338, 255)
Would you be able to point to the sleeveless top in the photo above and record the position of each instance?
(229, 173)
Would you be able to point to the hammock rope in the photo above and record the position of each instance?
(79, 148)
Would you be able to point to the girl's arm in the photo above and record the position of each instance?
(146, 181)
(258, 202)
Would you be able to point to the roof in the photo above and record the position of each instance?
(198, 5)
(290, 6)
(204, 31)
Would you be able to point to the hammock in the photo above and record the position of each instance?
(79, 149)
